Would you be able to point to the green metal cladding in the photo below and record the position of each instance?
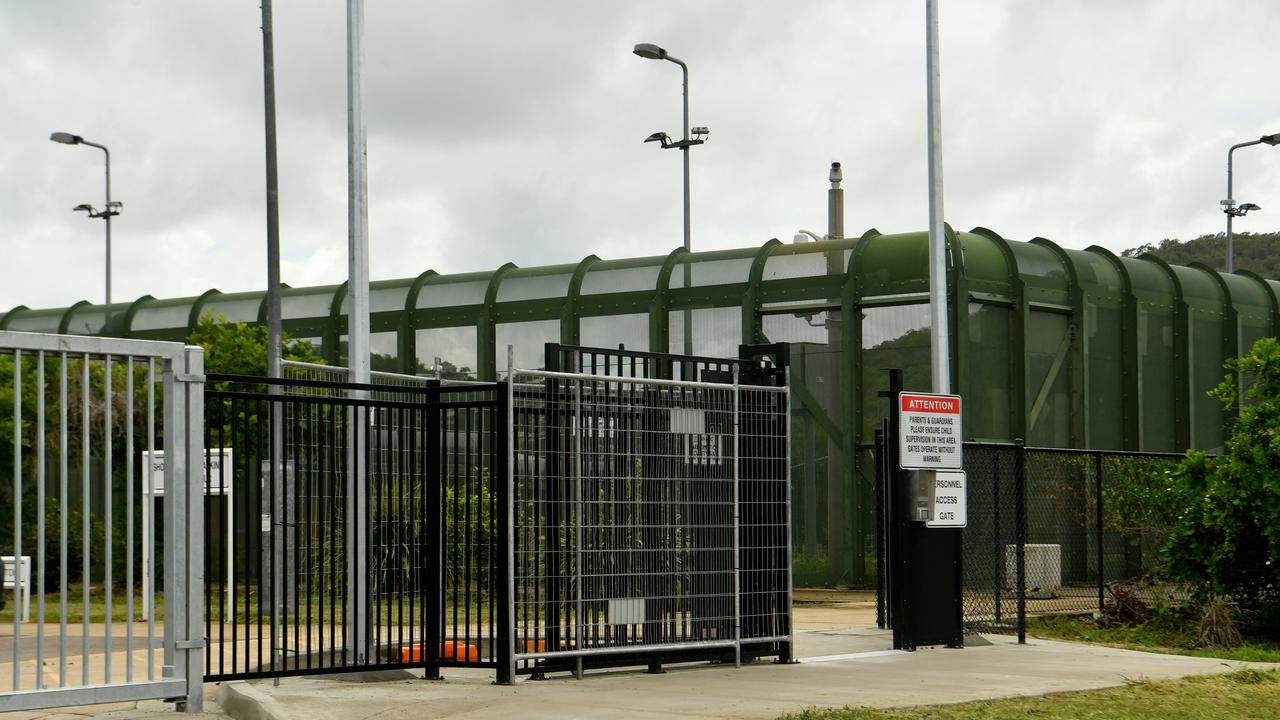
(1061, 347)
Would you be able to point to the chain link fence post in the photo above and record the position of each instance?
(1020, 533)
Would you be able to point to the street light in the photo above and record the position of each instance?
(653, 52)
(1229, 205)
(650, 51)
(109, 210)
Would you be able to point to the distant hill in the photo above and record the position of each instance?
(1256, 252)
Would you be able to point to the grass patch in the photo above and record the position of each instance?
(75, 606)
(1242, 695)
(1169, 631)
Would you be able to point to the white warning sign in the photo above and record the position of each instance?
(929, 436)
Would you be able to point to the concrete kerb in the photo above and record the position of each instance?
(243, 701)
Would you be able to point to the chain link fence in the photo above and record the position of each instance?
(1051, 530)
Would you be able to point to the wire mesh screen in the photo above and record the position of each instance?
(764, 510)
(1051, 530)
(647, 515)
(990, 602)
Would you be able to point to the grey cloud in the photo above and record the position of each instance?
(511, 130)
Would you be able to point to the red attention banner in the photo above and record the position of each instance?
(930, 404)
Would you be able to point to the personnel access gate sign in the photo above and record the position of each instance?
(929, 436)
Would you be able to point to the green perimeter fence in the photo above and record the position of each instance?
(1062, 347)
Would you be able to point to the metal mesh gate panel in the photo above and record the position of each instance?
(649, 517)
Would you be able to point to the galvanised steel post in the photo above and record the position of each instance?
(938, 336)
(1229, 205)
(358, 325)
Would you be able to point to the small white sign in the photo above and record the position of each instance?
(689, 421)
(217, 482)
(950, 501)
(626, 611)
(929, 433)
(19, 580)
(219, 469)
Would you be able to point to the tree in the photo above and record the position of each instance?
(1259, 252)
(1227, 537)
(241, 349)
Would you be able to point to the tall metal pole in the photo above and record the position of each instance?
(274, 501)
(107, 212)
(940, 352)
(274, 339)
(684, 93)
(688, 242)
(359, 618)
(838, 551)
(357, 208)
(1229, 205)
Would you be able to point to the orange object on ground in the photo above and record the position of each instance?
(449, 650)
(539, 645)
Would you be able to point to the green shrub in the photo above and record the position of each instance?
(1227, 536)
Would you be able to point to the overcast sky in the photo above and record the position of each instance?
(511, 131)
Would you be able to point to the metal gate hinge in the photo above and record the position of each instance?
(189, 644)
(188, 377)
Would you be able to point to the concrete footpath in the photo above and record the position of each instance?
(763, 690)
(844, 661)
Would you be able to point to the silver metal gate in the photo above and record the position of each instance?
(105, 440)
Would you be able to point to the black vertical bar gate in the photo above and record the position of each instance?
(434, 479)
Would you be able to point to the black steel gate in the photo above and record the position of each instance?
(358, 527)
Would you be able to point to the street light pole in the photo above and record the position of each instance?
(109, 210)
(653, 52)
(684, 95)
(1229, 205)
